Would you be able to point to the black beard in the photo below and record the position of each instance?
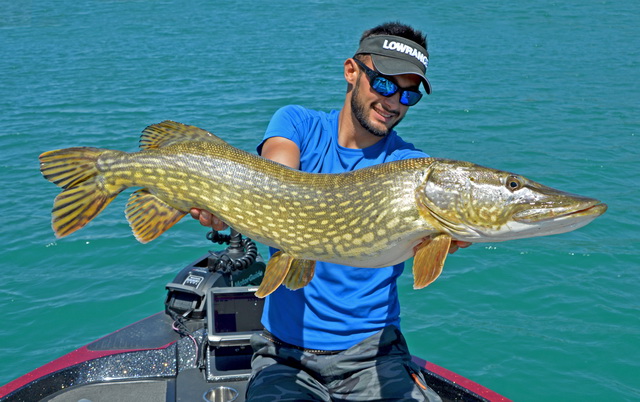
(358, 110)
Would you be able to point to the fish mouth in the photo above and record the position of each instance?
(589, 209)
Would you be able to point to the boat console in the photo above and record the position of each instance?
(218, 294)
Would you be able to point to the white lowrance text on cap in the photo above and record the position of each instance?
(406, 49)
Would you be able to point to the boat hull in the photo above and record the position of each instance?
(150, 361)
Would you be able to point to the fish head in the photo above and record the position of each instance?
(478, 204)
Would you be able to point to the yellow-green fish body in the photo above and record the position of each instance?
(371, 217)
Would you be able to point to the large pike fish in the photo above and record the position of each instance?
(372, 217)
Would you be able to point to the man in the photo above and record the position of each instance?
(338, 338)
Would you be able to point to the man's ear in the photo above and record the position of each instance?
(351, 71)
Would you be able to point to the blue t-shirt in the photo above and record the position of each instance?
(342, 305)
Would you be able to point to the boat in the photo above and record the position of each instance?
(196, 350)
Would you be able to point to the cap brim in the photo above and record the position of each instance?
(394, 66)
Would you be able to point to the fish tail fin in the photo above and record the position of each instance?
(84, 194)
(70, 166)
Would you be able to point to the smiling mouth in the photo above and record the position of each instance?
(383, 113)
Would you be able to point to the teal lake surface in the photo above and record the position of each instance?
(547, 89)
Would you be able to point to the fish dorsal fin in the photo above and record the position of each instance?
(429, 259)
(171, 132)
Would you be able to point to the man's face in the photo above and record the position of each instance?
(376, 113)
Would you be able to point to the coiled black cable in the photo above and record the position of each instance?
(228, 264)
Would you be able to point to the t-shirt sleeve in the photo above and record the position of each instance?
(287, 122)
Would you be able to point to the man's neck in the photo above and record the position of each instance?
(351, 134)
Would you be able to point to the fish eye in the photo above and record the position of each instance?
(514, 183)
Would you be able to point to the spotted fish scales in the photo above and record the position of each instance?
(371, 217)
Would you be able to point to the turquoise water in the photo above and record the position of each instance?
(544, 88)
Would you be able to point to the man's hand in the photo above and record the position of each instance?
(207, 219)
(456, 245)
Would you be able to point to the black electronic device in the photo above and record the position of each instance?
(233, 315)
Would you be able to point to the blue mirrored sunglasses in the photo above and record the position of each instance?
(386, 87)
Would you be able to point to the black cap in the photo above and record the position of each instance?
(395, 55)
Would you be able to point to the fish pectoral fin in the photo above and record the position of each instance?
(300, 274)
(149, 216)
(170, 132)
(275, 272)
(428, 260)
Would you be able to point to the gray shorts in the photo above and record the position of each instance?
(376, 369)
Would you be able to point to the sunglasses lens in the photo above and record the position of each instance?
(410, 98)
(387, 88)
(383, 86)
